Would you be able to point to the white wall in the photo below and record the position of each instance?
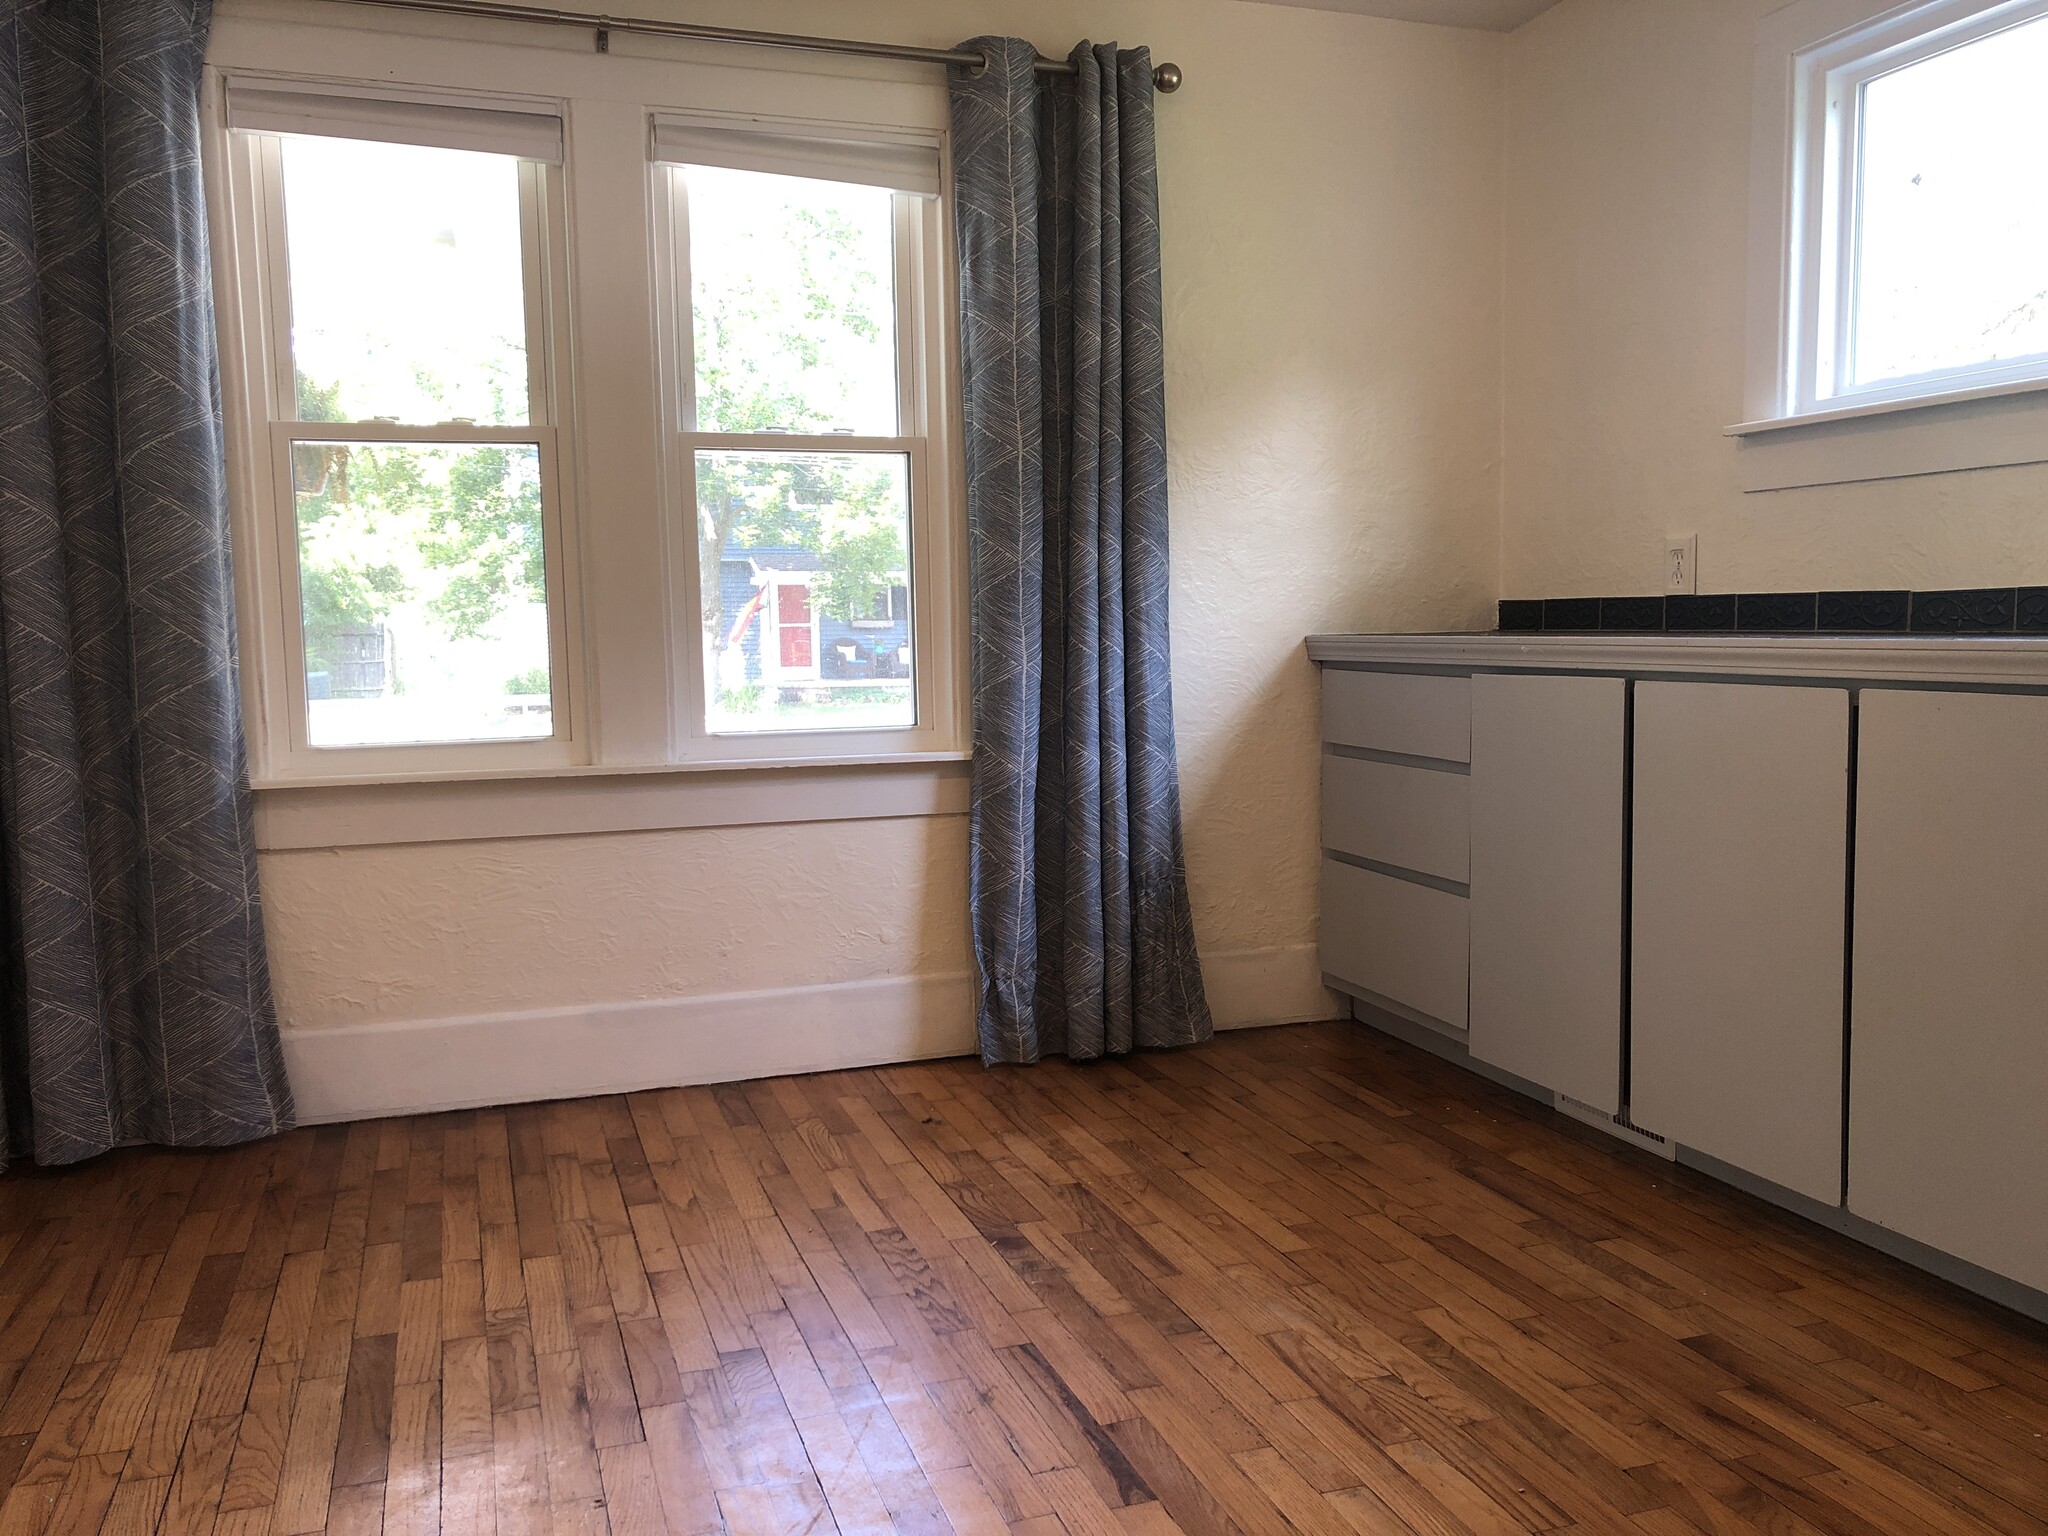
(1331, 193)
(1627, 162)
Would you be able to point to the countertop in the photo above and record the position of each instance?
(1999, 661)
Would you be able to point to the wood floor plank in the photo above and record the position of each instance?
(305, 1478)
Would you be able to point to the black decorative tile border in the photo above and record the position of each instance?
(1985, 611)
(1571, 613)
(1773, 611)
(1689, 614)
(1631, 613)
(1967, 611)
(1866, 612)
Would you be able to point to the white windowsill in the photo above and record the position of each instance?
(606, 770)
(1982, 428)
(573, 802)
(1886, 407)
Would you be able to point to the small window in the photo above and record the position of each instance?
(802, 317)
(1919, 259)
(411, 440)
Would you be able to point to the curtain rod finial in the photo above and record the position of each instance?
(1166, 78)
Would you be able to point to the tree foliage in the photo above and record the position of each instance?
(765, 364)
(458, 530)
(455, 529)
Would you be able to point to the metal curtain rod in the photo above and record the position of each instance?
(1166, 77)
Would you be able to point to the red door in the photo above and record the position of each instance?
(793, 619)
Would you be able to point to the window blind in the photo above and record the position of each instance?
(899, 165)
(279, 106)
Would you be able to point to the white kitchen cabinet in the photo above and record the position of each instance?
(1549, 765)
(1395, 799)
(1622, 862)
(1737, 931)
(1948, 1064)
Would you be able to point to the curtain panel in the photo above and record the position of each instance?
(137, 1002)
(1082, 929)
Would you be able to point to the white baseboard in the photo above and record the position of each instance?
(417, 1066)
(1249, 988)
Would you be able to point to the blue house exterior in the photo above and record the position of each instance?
(786, 642)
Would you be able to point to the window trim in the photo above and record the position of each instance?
(1792, 434)
(621, 552)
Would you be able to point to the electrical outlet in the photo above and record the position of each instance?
(1681, 556)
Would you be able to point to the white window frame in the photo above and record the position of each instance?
(888, 619)
(628, 692)
(1802, 426)
(266, 404)
(921, 357)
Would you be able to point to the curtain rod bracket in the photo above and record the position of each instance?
(604, 34)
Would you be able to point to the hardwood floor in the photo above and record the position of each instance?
(1303, 1279)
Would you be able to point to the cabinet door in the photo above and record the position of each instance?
(1736, 943)
(1549, 758)
(1948, 1076)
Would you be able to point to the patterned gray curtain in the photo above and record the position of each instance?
(1080, 903)
(137, 1002)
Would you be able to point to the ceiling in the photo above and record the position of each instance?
(1495, 15)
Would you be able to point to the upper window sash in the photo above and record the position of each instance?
(905, 164)
(915, 226)
(262, 113)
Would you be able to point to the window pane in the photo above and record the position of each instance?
(1952, 265)
(804, 559)
(408, 285)
(424, 591)
(793, 299)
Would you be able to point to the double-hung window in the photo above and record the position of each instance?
(1899, 218)
(802, 271)
(408, 255)
(573, 429)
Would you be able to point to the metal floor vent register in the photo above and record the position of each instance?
(1617, 1125)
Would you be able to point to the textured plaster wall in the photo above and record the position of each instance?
(1627, 202)
(1331, 189)
(543, 922)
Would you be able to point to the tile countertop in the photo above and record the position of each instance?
(1994, 661)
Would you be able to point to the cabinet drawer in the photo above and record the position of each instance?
(1391, 813)
(1403, 941)
(1404, 712)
